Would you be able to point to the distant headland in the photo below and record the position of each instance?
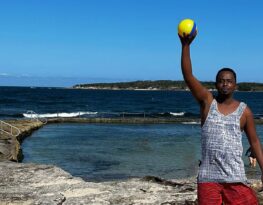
(162, 85)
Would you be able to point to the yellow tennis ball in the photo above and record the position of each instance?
(187, 27)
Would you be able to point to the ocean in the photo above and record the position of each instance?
(101, 152)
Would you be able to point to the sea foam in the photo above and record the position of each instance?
(62, 114)
(177, 113)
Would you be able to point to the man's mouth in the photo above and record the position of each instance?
(224, 90)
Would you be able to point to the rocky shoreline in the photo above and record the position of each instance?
(10, 146)
(44, 184)
(22, 183)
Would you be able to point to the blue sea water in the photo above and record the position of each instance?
(111, 151)
(16, 101)
(98, 152)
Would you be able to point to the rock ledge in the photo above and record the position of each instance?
(45, 184)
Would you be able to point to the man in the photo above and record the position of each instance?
(221, 176)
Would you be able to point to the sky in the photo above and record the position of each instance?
(66, 42)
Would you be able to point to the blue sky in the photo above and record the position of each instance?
(65, 42)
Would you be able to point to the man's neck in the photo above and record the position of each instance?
(225, 99)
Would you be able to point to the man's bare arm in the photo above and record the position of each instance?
(201, 94)
(253, 139)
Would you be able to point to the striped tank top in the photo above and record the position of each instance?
(221, 143)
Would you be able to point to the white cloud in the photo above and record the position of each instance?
(4, 74)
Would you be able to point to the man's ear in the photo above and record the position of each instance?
(236, 87)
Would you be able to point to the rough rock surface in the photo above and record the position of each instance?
(43, 184)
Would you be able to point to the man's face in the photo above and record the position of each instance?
(225, 83)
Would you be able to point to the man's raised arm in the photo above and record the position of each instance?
(200, 93)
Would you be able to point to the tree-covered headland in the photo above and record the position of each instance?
(162, 85)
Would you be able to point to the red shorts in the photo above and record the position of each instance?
(229, 193)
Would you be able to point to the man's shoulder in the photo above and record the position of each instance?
(241, 104)
(247, 112)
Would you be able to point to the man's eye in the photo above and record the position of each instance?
(226, 81)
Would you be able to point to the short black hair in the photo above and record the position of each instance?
(229, 70)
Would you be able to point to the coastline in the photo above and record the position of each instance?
(173, 85)
(23, 183)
